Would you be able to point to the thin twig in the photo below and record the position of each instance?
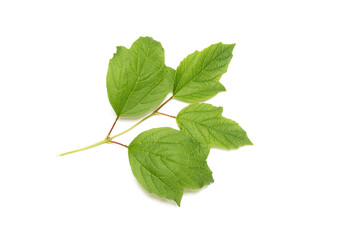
(164, 114)
(123, 145)
(163, 104)
(109, 139)
(133, 126)
(112, 126)
(138, 123)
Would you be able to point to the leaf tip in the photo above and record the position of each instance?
(178, 202)
(247, 141)
(231, 46)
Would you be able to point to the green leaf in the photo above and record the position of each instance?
(197, 76)
(137, 78)
(166, 161)
(206, 124)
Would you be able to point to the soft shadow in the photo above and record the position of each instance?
(228, 150)
(195, 191)
(137, 117)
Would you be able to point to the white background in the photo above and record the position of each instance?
(292, 85)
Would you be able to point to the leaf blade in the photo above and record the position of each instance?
(205, 123)
(197, 76)
(172, 159)
(137, 78)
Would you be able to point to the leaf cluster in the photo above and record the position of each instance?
(164, 160)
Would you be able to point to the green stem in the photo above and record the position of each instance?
(135, 125)
(81, 149)
(108, 139)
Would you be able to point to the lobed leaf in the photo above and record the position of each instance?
(137, 78)
(205, 123)
(166, 161)
(197, 76)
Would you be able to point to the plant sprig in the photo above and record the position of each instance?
(166, 161)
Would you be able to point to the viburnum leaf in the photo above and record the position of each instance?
(166, 161)
(197, 76)
(137, 78)
(205, 123)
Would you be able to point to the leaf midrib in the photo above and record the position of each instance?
(226, 134)
(170, 160)
(202, 69)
